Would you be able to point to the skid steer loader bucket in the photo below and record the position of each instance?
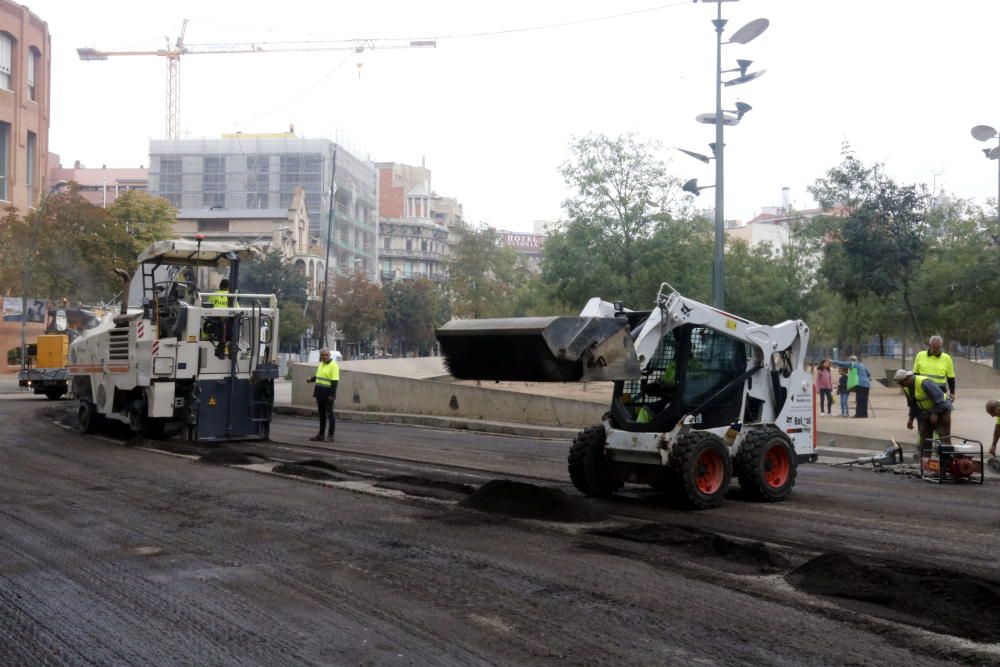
(539, 349)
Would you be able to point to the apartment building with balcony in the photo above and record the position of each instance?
(245, 172)
(415, 224)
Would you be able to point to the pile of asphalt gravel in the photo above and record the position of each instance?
(426, 487)
(527, 501)
(945, 601)
(310, 469)
(699, 543)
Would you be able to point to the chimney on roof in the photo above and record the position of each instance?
(786, 199)
(77, 165)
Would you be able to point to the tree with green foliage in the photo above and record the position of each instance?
(622, 190)
(272, 273)
(413, 308)
(145, 218)
(358, 308)
(878, 247)
(482, 276)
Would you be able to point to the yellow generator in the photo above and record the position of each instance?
(46, 374)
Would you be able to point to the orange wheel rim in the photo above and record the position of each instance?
(777, 466)
(709, 472)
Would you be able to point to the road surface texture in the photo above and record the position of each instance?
(412, 546)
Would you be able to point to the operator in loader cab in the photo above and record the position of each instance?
(929, 405)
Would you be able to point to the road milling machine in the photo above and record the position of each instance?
(179, 360)
(699, 394)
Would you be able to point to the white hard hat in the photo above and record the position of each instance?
(902, 374)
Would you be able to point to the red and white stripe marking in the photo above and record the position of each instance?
(140, 329)
(156, 347)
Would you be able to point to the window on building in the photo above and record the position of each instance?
(407, 269)
(4, 159)
(213, 225)
(409, 244)
(170, 180)
(30, 179)
(306, 171)
(6, 61)
(386, 266)
(213, 182)
(423, 246)
(385, 243)
(258, 180)
(33, 58)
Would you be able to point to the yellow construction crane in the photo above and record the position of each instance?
(173, 55)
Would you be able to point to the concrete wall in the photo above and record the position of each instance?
(387, 393)
(967, 374)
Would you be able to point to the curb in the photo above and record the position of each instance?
(454, 423)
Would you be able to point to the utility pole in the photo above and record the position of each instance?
(329, 241)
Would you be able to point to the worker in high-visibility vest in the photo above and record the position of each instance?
(327, 377)
(929, 405)
(221, 300)
(993, 410)
(937, 365)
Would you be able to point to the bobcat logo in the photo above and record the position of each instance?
(685, 310)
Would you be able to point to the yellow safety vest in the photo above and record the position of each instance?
(220, 300)
(327, 374)
(924, 402)
(938, 368)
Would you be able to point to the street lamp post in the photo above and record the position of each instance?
(720, 119)
(985, 133)
(26, 276)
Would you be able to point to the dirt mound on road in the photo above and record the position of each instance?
(700, 543)
(945, 601)
(310, 469)
(527, 501)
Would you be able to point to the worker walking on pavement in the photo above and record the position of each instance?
(930, 406)
(327, 377)
(993, 409)
(937, 365)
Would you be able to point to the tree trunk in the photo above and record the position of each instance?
(912, 314)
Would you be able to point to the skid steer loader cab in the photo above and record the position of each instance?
(694, 369)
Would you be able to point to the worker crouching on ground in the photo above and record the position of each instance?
(327, 377)
(929, 405)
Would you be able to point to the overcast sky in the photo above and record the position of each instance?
(492, 115)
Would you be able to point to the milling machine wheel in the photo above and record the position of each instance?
(766, 465)
(700, 461)
(587, 464)
(87, 416)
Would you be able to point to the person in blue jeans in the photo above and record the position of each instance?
(843, 393)
(864, 385)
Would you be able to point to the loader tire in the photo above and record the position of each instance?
(766, 465)
(700, 462)
(587, 467)
(87, 416)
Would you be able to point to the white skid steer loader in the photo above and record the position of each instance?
(179, 360)
(699, 393)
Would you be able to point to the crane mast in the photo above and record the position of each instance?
(174, 52)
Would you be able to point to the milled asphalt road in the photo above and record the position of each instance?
(118, 555)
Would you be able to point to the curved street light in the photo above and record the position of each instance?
(720, 119)
(985, 133)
